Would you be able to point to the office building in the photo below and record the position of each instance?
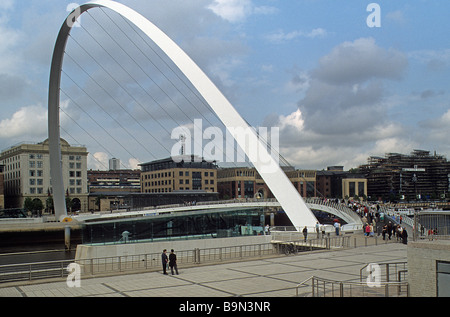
(334, 182)
(188, 174)
(114, 164)
(27, 174)
(245, 182)
(107, 189)
(417, 176)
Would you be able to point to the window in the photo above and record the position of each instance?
(443, 278)
(351, 189)
(360, 189)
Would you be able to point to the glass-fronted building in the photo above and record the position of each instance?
(201, 224)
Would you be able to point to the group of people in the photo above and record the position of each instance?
(395, 230)
(320, 228)
(170, 261)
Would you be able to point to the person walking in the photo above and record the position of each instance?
(389, 230)
(173, 261)
(164, 261)
(322, 228)
(317, 229)
(305, 233)
(383, 233)
(337, 226)
(404, 236)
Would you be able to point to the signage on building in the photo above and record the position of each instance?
(415, 169)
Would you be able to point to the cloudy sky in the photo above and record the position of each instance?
(339, 90)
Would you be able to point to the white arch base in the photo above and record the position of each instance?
(275, 178)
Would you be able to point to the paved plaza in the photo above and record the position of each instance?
(269, 277)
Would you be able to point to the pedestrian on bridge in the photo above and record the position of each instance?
(164, 261)
(173, 261)
(305, 233)
(404, 236)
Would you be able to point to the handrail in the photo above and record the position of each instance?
(300, 284)
(316, 281)
(92, 266)
(387, 265)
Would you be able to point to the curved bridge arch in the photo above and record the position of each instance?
(290, 200)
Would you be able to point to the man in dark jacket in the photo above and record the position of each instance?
(164, 261)
(173, 261)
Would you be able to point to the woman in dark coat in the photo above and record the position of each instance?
(404, 236)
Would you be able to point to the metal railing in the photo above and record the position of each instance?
(33, 271)
(130, 263)
(389, 271)
(321, 287)
(390, 282)
(294, 239)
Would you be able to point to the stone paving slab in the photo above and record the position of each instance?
(269, 277)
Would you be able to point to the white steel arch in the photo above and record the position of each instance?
(283, 190)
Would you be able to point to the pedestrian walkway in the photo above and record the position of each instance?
(269, 277)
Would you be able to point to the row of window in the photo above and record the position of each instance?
(169, 190)
(180, 173)
(181, 181)
(40, 190)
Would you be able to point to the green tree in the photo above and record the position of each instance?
(28, 204)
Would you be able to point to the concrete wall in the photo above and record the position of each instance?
(422, 258)
(100, 251)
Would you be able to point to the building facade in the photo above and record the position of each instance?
(2, 187)
(107, 188)
(337, 183)
(245, 182)
(417, 176)
(27, 174)
(188, 174)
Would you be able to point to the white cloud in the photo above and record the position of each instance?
(281, 36)
(6, 4)
(134, 163)
(438, 130)
(396, 16)
(98, 161)
(238, 10)
(232, 10)
(359, 61)
(27, 122)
